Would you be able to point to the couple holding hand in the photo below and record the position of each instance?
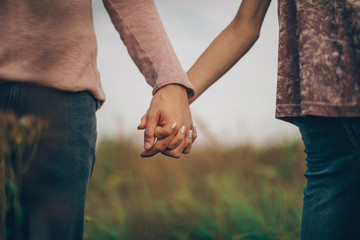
(168, 119)
(48, 68)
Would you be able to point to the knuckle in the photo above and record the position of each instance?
(188, 142)
(147, 134)
(175, 143)
(151, 119)
(172, 146)
(179, 140)
(161, 147)
(150, 114)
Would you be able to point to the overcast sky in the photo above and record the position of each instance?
(239, 107)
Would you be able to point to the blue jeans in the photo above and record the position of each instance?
(53, 190)
(332, 194)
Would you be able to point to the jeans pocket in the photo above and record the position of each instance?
(5, 94)
(352, 126)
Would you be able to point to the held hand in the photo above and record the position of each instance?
(168, 112)
(176, 145)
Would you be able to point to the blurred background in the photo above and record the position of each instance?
(243, 178)
(239, 108)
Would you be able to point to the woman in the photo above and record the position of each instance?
(318, 90)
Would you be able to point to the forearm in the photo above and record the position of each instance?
(142, 31)
(236, 39)
(218, 58)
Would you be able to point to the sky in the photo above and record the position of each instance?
(238, 108)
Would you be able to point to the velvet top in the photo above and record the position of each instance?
(319, 58)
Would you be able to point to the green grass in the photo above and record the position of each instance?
(243, 192)
(18, 143)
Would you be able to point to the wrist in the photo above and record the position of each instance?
(174, 89)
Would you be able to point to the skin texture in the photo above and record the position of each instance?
(169, 105)
(228, 47)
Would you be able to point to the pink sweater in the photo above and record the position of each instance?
(53, 43)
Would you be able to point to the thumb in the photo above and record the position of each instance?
(149, 133)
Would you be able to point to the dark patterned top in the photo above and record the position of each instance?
(319, 58)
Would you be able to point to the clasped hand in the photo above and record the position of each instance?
(168, 124)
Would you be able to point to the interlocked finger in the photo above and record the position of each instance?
(163, 132)
(188, 142)
(177, 140)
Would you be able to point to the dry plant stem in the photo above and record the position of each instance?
(26, 165)
(18, 146)
(13, 180)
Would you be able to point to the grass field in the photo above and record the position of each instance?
(238, 192)
(242, 192)
(18, 143)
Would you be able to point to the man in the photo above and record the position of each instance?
(48, 68)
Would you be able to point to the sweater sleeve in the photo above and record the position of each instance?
(142, 32)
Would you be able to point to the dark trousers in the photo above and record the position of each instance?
(332, 194)
(53, 190)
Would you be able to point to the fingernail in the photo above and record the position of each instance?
(190, 133)
(194, 129)
(183, 129)
(147, 145)
(174, 125)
